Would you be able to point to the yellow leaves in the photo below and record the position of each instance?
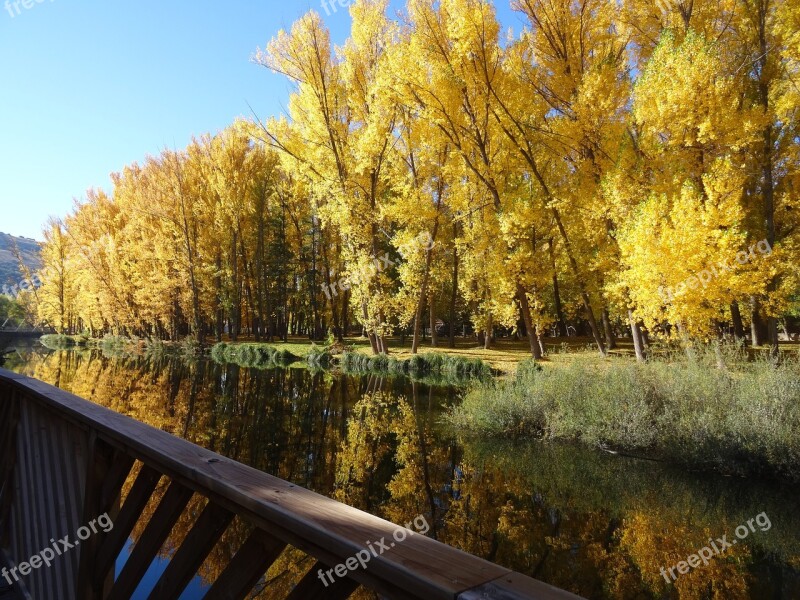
(685, 99)
(682, 255)
(787, 93)
(472, 29)
(601, 96)
(654, 543)
(303, 55)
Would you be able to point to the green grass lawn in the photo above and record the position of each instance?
(504, 356)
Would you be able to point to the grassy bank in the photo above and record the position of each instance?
(252, 355)
(444, 366)
(742, 419)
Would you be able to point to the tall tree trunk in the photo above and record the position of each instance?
(247, 269)
(561, 323)
(383, 339)
(426, 277)
(636, 334)
(573, 263)
(738, 325)
(345, 314)
(758, 330)
(525, 309)
(610, 340)
(432, 312)
(421, 305)
(190, 241)
(454, 293)
(261, 301)
(373, 340)
(587, 304)
(785, 329)
(220, 312)
(236, 308)
(326, 266)
(767, 161)
(314, 329)
(487, 340)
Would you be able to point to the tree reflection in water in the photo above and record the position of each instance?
(599, 525)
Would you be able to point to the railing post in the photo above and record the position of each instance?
(9, 419)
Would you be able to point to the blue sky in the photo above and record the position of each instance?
(89, 86)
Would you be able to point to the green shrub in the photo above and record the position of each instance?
(736, 419)
(219, 352)
(252, 355)
(318, 357)
(444, 368)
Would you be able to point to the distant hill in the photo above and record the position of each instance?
(9, 269)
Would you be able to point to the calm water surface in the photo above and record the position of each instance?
(597, 524)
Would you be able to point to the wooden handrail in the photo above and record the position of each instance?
(282, 513)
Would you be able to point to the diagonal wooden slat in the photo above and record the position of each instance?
(248, 566)
(151, 540)
(311, 587)
(121, 465)
(115, 541)
(103, 486)
(205, 533)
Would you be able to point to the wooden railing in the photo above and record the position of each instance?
(65, 460)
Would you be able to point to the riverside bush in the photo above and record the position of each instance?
(420, 365)
(252, 355)
(743, 418)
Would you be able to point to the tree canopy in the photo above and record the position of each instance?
(612, 166)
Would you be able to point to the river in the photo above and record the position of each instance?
(600, 525)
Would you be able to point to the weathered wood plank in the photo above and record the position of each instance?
(311, 586)
(514, 587)
(135, 503)
(246, 567)
(205, 533)
(96, 470)
(150, 542)
(121, 465)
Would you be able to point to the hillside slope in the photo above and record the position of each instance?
(9, 269)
